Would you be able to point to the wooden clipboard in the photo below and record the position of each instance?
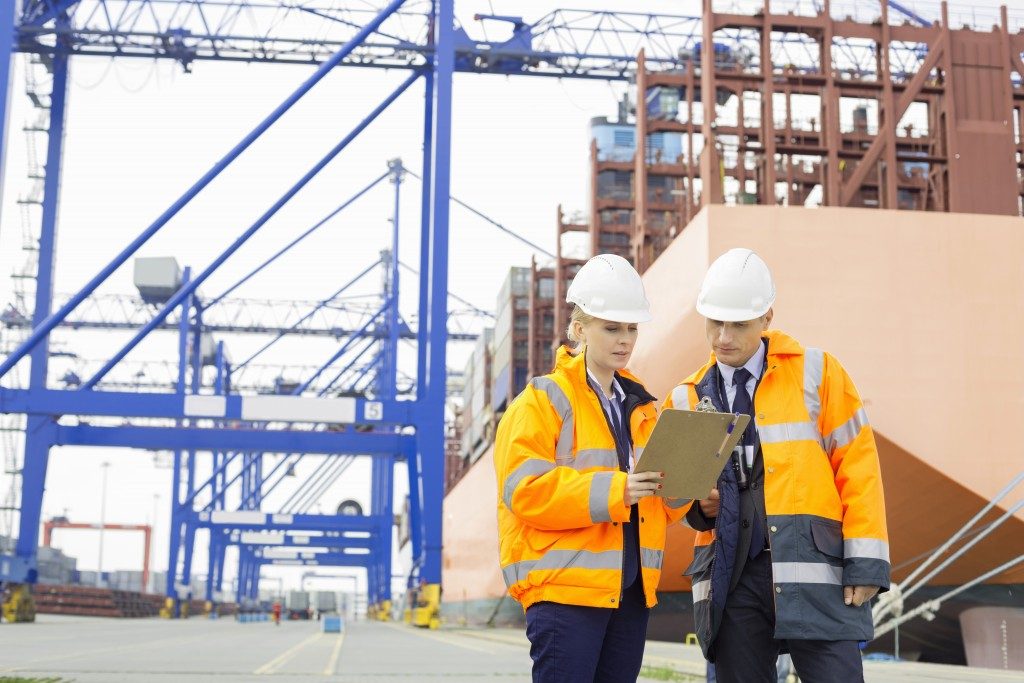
(691, 448)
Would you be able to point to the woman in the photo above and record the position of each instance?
(581, 537)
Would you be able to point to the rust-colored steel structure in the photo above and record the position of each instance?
(147, 532)
(566, 267)
(814, 110)
(542, 333)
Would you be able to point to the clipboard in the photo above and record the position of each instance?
(691, 448)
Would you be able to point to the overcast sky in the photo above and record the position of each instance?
(140, 132)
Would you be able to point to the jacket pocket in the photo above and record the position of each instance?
(828, 538)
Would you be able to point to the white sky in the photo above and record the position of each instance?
(139, 133)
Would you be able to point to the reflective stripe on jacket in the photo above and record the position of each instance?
(823, 498)
(561, 494)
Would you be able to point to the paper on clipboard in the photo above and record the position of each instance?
(691, 448)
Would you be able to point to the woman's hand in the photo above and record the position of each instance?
(640, 484)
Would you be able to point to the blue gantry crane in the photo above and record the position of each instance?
(252, 441)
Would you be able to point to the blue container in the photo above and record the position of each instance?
(615, 141)
(333, 624)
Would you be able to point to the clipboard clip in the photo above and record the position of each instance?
(705, 406)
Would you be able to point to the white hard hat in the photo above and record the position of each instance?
(608, 287)
(738, 286)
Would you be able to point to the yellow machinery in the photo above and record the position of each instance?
(427, 613)
(18, 605)
(172, 606)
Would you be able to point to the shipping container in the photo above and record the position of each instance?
(517, 283)
(662, 102)
(502, 358)
(503, 321)
(483, 426)
(298, 604)
(501, 385)
(325, 601)
(615, 141)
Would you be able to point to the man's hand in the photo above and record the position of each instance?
(858, 595)
(640, 484)
(709, 505)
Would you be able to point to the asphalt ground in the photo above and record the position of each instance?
(93, 650)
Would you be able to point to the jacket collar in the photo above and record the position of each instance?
(779, 344)
(575, 367)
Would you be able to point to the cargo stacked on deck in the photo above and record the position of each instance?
(541, 334)
(476, 398)
(612, 145)
(454, 463)
(511, 340)
(567, 263)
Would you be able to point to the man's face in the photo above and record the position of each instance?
(735, 342)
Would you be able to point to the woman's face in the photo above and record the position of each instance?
(609, 344)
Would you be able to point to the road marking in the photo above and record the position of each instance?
(332, 664)
(439, 638)
(286, 656)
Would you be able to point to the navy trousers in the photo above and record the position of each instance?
(746, 649)
(572, 644)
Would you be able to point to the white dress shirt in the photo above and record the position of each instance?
(613, 408)
(755, 366)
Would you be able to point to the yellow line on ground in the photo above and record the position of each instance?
(286, 656)
(430, 635)
(332, 664)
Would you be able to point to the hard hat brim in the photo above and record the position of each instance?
(732, 315)
(619, 316)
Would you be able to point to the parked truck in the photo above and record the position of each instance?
(325, 602)
(298, 605)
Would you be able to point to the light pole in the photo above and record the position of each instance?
(153, 544)
(103, 523)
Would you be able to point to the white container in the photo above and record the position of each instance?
(298, 600)
(157, 278)
(325, 601)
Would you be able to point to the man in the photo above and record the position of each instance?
(796, 526)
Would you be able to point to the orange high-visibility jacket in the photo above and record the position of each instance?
(822, 493)
(561, 495)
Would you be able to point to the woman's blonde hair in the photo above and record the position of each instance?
(584, 319)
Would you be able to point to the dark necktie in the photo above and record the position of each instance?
(742, 404)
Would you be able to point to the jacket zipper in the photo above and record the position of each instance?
(767, 529)
(611, 429)
(629, 436)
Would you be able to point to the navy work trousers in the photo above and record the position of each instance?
(746, 649)
(572, 644)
